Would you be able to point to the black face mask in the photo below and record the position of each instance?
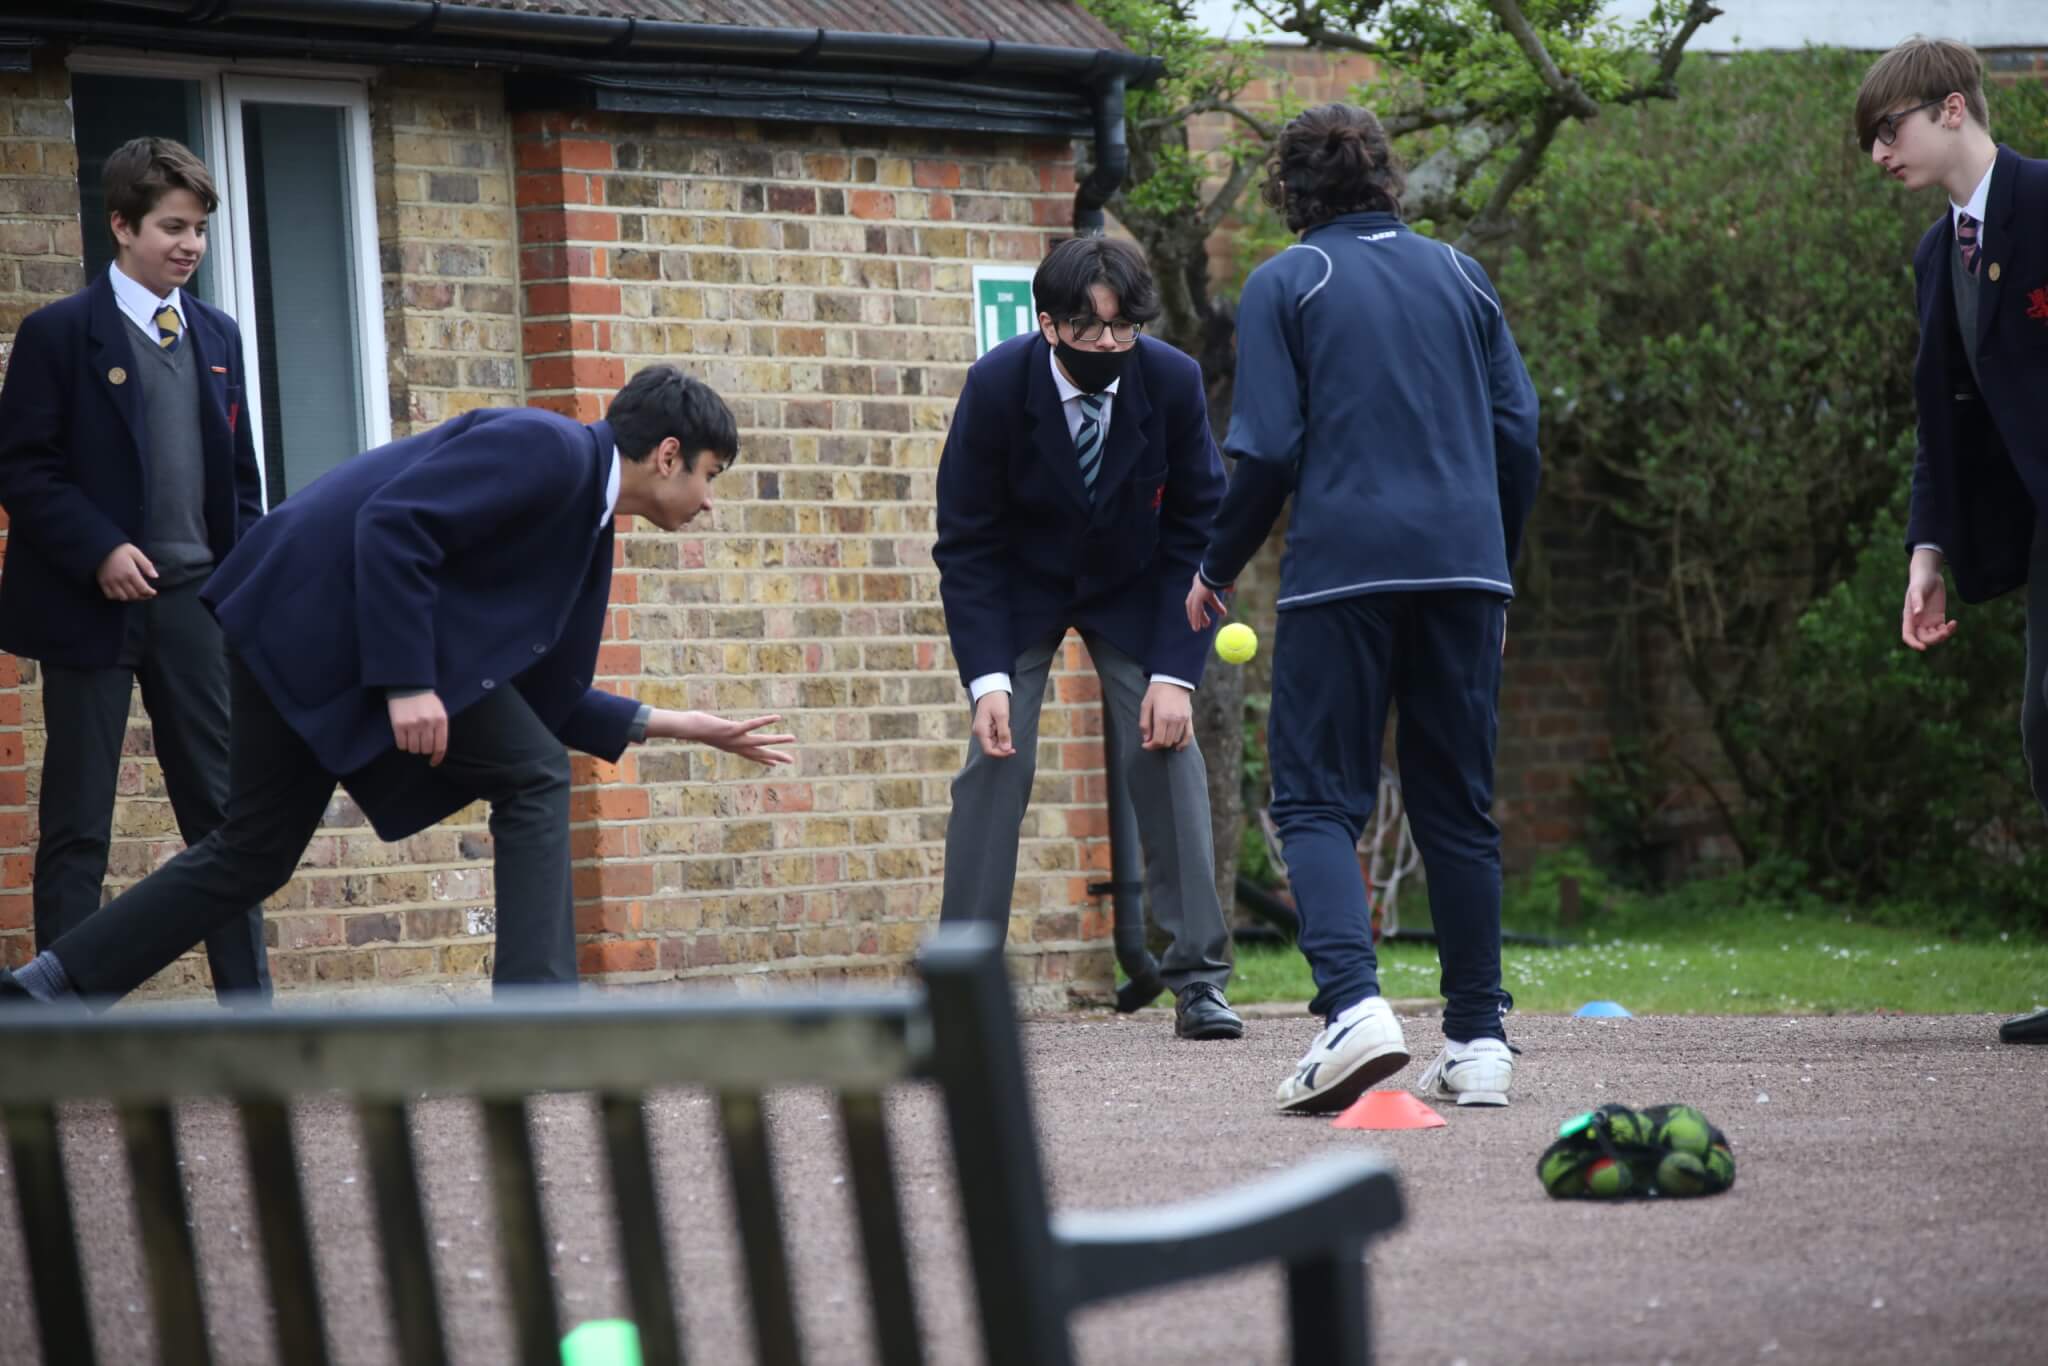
(1091, 371)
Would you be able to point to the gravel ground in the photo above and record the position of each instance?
(1889, 1205)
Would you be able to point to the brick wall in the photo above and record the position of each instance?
(40, 255)
(821, 283)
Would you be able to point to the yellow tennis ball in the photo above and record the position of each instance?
(1236, 643)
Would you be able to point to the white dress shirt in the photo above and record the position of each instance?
(1070, 406)
(1979, 197)
(140, 306)
(611, 491)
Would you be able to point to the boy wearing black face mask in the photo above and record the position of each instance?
(1076, 490)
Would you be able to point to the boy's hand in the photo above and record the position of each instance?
(420, 725)
(992, 724)
(1166, 718)
(1924, 621)
(1205, 605)
(743, 738)
(125, 574)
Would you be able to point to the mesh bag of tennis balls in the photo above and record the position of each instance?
(1616, 1152)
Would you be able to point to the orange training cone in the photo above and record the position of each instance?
(1388, 1110)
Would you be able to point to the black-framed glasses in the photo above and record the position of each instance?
(1887, 129)
(1089, 329)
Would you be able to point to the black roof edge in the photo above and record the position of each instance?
(425, 29)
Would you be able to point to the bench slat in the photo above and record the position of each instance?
(402, 1234)
(166, 1235)
(760, 1221)
(881, 1228)
(43, 1193)
(566, 1043)
(522, 1233)
(287, 1239)
(640, 1238)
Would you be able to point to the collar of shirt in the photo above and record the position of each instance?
(1975, 208)
(611, 492)
(139, 304)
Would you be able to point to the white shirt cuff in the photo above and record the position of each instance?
(1177, 682)
(987, 684)
(1929, 545)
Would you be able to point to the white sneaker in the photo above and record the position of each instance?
(1362, 1045)
(1475, 1073)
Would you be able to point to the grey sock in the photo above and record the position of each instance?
(44, 978)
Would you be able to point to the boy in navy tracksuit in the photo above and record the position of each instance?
(1378, 383)
(1980, 477)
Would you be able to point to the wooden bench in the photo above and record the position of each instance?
(1032, 1269)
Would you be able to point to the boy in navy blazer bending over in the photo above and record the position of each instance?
(1076, 490)
(128, 472)
(420, 624)
(1980, 478)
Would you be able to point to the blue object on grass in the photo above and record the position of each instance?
(1603, 1010)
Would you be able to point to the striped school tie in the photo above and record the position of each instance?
(1966, 238)
(169, 328)
(1088, 441)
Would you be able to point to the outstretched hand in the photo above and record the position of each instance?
(743, 738)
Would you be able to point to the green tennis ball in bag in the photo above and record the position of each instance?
(1684, 1130)
(1720, 1164)
(1562, 1172)
(1681, 1174)
(1607, 1179)
(1627, 1128)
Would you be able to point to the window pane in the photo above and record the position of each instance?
(303, 265)
(109, 110)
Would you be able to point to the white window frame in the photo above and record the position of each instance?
(224, 87)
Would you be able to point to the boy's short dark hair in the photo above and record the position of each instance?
(1919, 71)
(1334, 159)
(661, 401)
(141, 171)
(1070, 269)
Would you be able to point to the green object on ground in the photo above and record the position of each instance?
(1666, 1150)
(602, 1342)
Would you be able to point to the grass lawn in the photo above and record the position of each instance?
(1740, 961)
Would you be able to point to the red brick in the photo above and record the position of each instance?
(936, 175)
(622, 804)
(618, 661)
(576, 372)
(617, 955)
(551, 187)
(582, 407)
(14, 789)
(17, 910)
(871, 204)
(17, 870)
(577, 296)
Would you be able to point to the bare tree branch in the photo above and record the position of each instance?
(1415, 120)
(1492, 220)
(1664, 85)
(1562, 87)
(1224, 201)
(1262, 128)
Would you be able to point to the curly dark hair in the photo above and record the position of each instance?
(1334, 159)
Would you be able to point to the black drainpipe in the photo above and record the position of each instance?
(1112, 159)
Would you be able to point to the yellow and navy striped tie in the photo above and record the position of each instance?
(170, 328)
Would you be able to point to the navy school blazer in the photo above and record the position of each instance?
(1023, 552)
(72, 475)
(465, 559)
(1981, 470)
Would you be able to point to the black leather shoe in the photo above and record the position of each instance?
(11, 990)
(1200, 1012)
(2025, 1028)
